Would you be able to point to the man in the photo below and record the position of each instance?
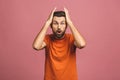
(60, 48)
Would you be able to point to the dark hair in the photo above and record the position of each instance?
(59, 13)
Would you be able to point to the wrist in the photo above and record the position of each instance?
(70, 23)
(47, 23)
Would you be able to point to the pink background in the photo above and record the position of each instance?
(97, 20)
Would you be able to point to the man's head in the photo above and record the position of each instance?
(59, 24)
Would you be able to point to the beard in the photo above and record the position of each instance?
(59, 34)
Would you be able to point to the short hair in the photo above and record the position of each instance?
(59, 14)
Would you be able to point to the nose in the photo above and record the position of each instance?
(59, 26)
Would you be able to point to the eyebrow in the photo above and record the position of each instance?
(62, 21)
(56, 21)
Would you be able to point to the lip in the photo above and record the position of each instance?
(59, 32)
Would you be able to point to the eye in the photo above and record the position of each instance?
(63, 23)
(55, 23)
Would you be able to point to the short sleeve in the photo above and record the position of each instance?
(72, 40)
(46, 39)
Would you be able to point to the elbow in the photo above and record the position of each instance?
(35, 47)
(82, 46)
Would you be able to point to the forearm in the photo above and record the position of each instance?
(40, 37)
(79, 40)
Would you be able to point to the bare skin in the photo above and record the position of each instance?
(58, 28)
(38, 42)
(79, 40)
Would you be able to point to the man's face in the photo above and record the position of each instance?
(59, 26)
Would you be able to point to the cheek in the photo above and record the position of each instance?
(54, 28)
(64, 27)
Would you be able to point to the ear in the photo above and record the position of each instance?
(66, 24)
(51, 25)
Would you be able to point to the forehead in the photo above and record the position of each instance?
(55, 18)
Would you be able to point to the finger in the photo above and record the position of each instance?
(53, 10)
(66, 11)
(51, 15)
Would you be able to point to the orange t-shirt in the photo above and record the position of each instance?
(60, 58)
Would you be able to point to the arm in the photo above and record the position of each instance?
(79, 40)
(39, 40)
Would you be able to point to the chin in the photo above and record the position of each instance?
(59, 35)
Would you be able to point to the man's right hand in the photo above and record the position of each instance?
(49, 20)
(39, 40)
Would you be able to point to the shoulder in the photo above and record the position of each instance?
(48, 37)
(68, 35)
(70, 39)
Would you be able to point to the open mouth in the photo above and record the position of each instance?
(59, 31)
